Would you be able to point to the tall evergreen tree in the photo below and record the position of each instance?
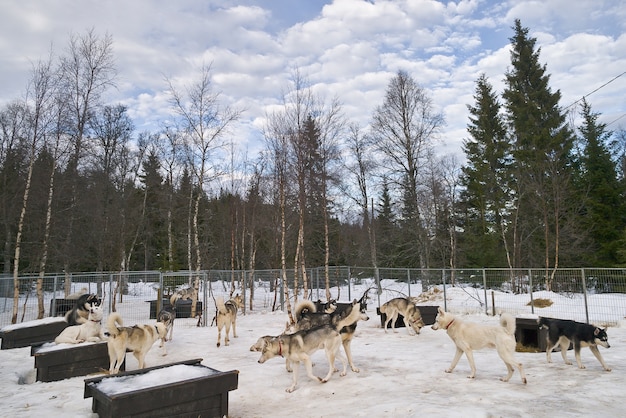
(154, 231)
(542, 152)
(386, 229)
(603, 211)
(485, 180)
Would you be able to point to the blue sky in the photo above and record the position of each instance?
(346, 48)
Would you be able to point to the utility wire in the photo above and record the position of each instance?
(602, 86)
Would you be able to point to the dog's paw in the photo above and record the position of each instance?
(342, 374)
(582, 366)
(448, 370)
(355, 369)
(608, 369)
(290, 389)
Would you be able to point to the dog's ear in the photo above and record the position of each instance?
(440, 310)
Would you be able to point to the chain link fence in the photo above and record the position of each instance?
(587, 295)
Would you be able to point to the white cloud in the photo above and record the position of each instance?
(347, 48)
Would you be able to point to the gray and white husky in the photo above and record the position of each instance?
(299, 347)
(347, 314)
(406, 308)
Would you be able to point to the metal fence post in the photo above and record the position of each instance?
(53, 308)
(530, 290)
(445, 297)
(408, 280)
(582, 273)
(485, 290)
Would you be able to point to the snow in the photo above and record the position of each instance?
(33, 323)
(400, 374)
(159, 377)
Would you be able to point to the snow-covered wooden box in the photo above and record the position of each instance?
(182, 389)
(34, 332)
(61, 361)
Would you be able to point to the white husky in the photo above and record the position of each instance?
(90, 331)
(468, 336)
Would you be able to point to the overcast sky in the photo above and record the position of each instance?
(346, 48)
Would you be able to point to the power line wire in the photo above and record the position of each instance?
(602, 86)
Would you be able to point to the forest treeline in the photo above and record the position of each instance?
(82, 190)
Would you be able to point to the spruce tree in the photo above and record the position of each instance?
(602, 191)
(542, 155)
(486, 186)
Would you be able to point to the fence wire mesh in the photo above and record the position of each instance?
(588, 295)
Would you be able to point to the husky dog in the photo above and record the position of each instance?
(563, 332)
(167, 316)
(348, 316)
(406, 308)
(183, 294)
(468, 337)
(90, 331)
(298, 347)
(262, 342)
(80, 312)
(139, 339)
(226, 316)
(76, 295)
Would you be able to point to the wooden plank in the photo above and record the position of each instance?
(31, 335)
(78, 360)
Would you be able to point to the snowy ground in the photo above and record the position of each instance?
(401, 375)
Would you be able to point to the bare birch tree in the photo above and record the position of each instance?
(405, 127)
(205, 122)
(88, 69)
(40, 99)
(360, 163)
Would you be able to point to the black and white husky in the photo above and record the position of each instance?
(80, 312)
(564, 331)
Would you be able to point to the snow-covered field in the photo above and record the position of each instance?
(400, 374)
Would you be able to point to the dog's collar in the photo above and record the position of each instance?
(450, 323)
(280, 347)
(98, 322)
(157, 329)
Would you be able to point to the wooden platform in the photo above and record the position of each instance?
(31, 333)
(70, 361)
(205, 396)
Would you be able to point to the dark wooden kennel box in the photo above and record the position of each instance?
(31, 333)
(59, 307)
(183, 308)
(429, 313)
(54, 364)
(205, 396)
(530, 337)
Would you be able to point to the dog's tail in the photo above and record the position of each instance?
(383, 307)
(220, 305)
(543, 322)
(175, 296)
(303, 307)
(508, 323)
(113, 321)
